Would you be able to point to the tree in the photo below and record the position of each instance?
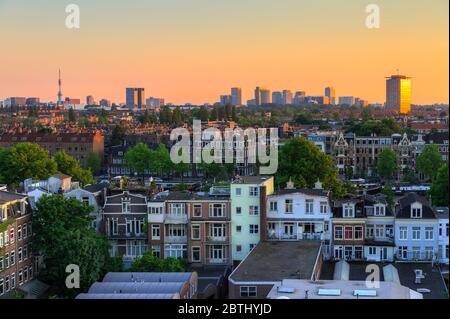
(68, 165)
(177, 117)
(429, 161)
(72, 117)
(160, 160)
(302, 162)
(439, 188)
(213, 115)
(94, 162)
(387, 191)
(138, 158)
(218, 172)
(150, 263)
(25, 160)
(387, 164)
(234, 116)
(118, 135)
(63, 237)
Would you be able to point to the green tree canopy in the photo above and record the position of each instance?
(69, 165)
(149, 263)
(25, 160)
(429, 161)
(301, 161)
(439, 188)
(118, 135)
(94, 162)
(138, 158)
(64, 237)
(387, 164)
(387, 190)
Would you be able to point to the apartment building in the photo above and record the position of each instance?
(416, 229)
(363, 229)
(17, 266)
(123, 220)
(78, 144)
(299, 214)
(191, 226)
(248, 199)
(442, 214)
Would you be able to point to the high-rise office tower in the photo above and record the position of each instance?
(299, 97)
(330, 92)
(277, 97)
(398, 93)
(225, 99)
(262, 96)
(347, 100)
(287, 97)
(236, 96)
(90, 100)
(135, 98)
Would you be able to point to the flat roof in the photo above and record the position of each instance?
(274, 261)
(345, 290)
(251, 179)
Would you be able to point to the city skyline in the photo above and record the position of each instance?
(181, 55)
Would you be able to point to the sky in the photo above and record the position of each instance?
(195, 50)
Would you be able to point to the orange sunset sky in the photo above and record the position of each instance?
(195, 50)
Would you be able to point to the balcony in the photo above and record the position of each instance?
(176, 219)
(217, 239)
(123, 235)
(175, 239)
(218, 261)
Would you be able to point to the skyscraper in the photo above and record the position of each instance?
(331, 94)
(135, 98)
(299, 97)
(398, 93)
(90, 100)
(236, 96)
(225, 99)
(277, 98)
(60, 102)
(287, 97)
(262, 96)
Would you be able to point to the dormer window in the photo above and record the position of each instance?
(348, 211)
(380, 210)
(125, 207)
(416, 210)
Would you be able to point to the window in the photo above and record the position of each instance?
(323, 207)
(2, 287)
(175, 251)
(19, 254)
(13, 281)
(12, 258)
(429, 235)
(19, 233)
(254, 229)
(1, 263)
(248, 291)
(11, 236)
(238, 210)
(197, 212)
(238, 191)
(416, 253)
(6, 260)
(20, 277)
(372, 250)
(348, 211)
(253, 210)
(358, 252)
(273, 206)
(238, 229)
(358, 232)
(338, 232)
(254, 191)
(113, 227)
(156, 250)
(288, 205)
(156, 210)
(176, 209)
(380, 231)
(379, 210)
(348, 232)
(176, 230)
(309, 210)
(416, 212)
(125, 207)
(429, 253)
(195, 229)
(252, 246)
(370, 231)
(238, 248)
(338, 252)
(85, 200)
(195, 254)
(402, 252)
(416, 233)
(24, 231)
(156, 232)
(217, 210)
(403, 233)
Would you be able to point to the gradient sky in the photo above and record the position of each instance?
(195, 50)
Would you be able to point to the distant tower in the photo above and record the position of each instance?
(59, 89)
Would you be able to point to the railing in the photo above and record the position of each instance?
(315, 236)
(175, 239)
(217, 238)
(217, 261)
(169, 218)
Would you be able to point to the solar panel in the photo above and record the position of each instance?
(329, 292)
(365, 293)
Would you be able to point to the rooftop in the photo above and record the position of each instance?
(251, 179)
(268, 261)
